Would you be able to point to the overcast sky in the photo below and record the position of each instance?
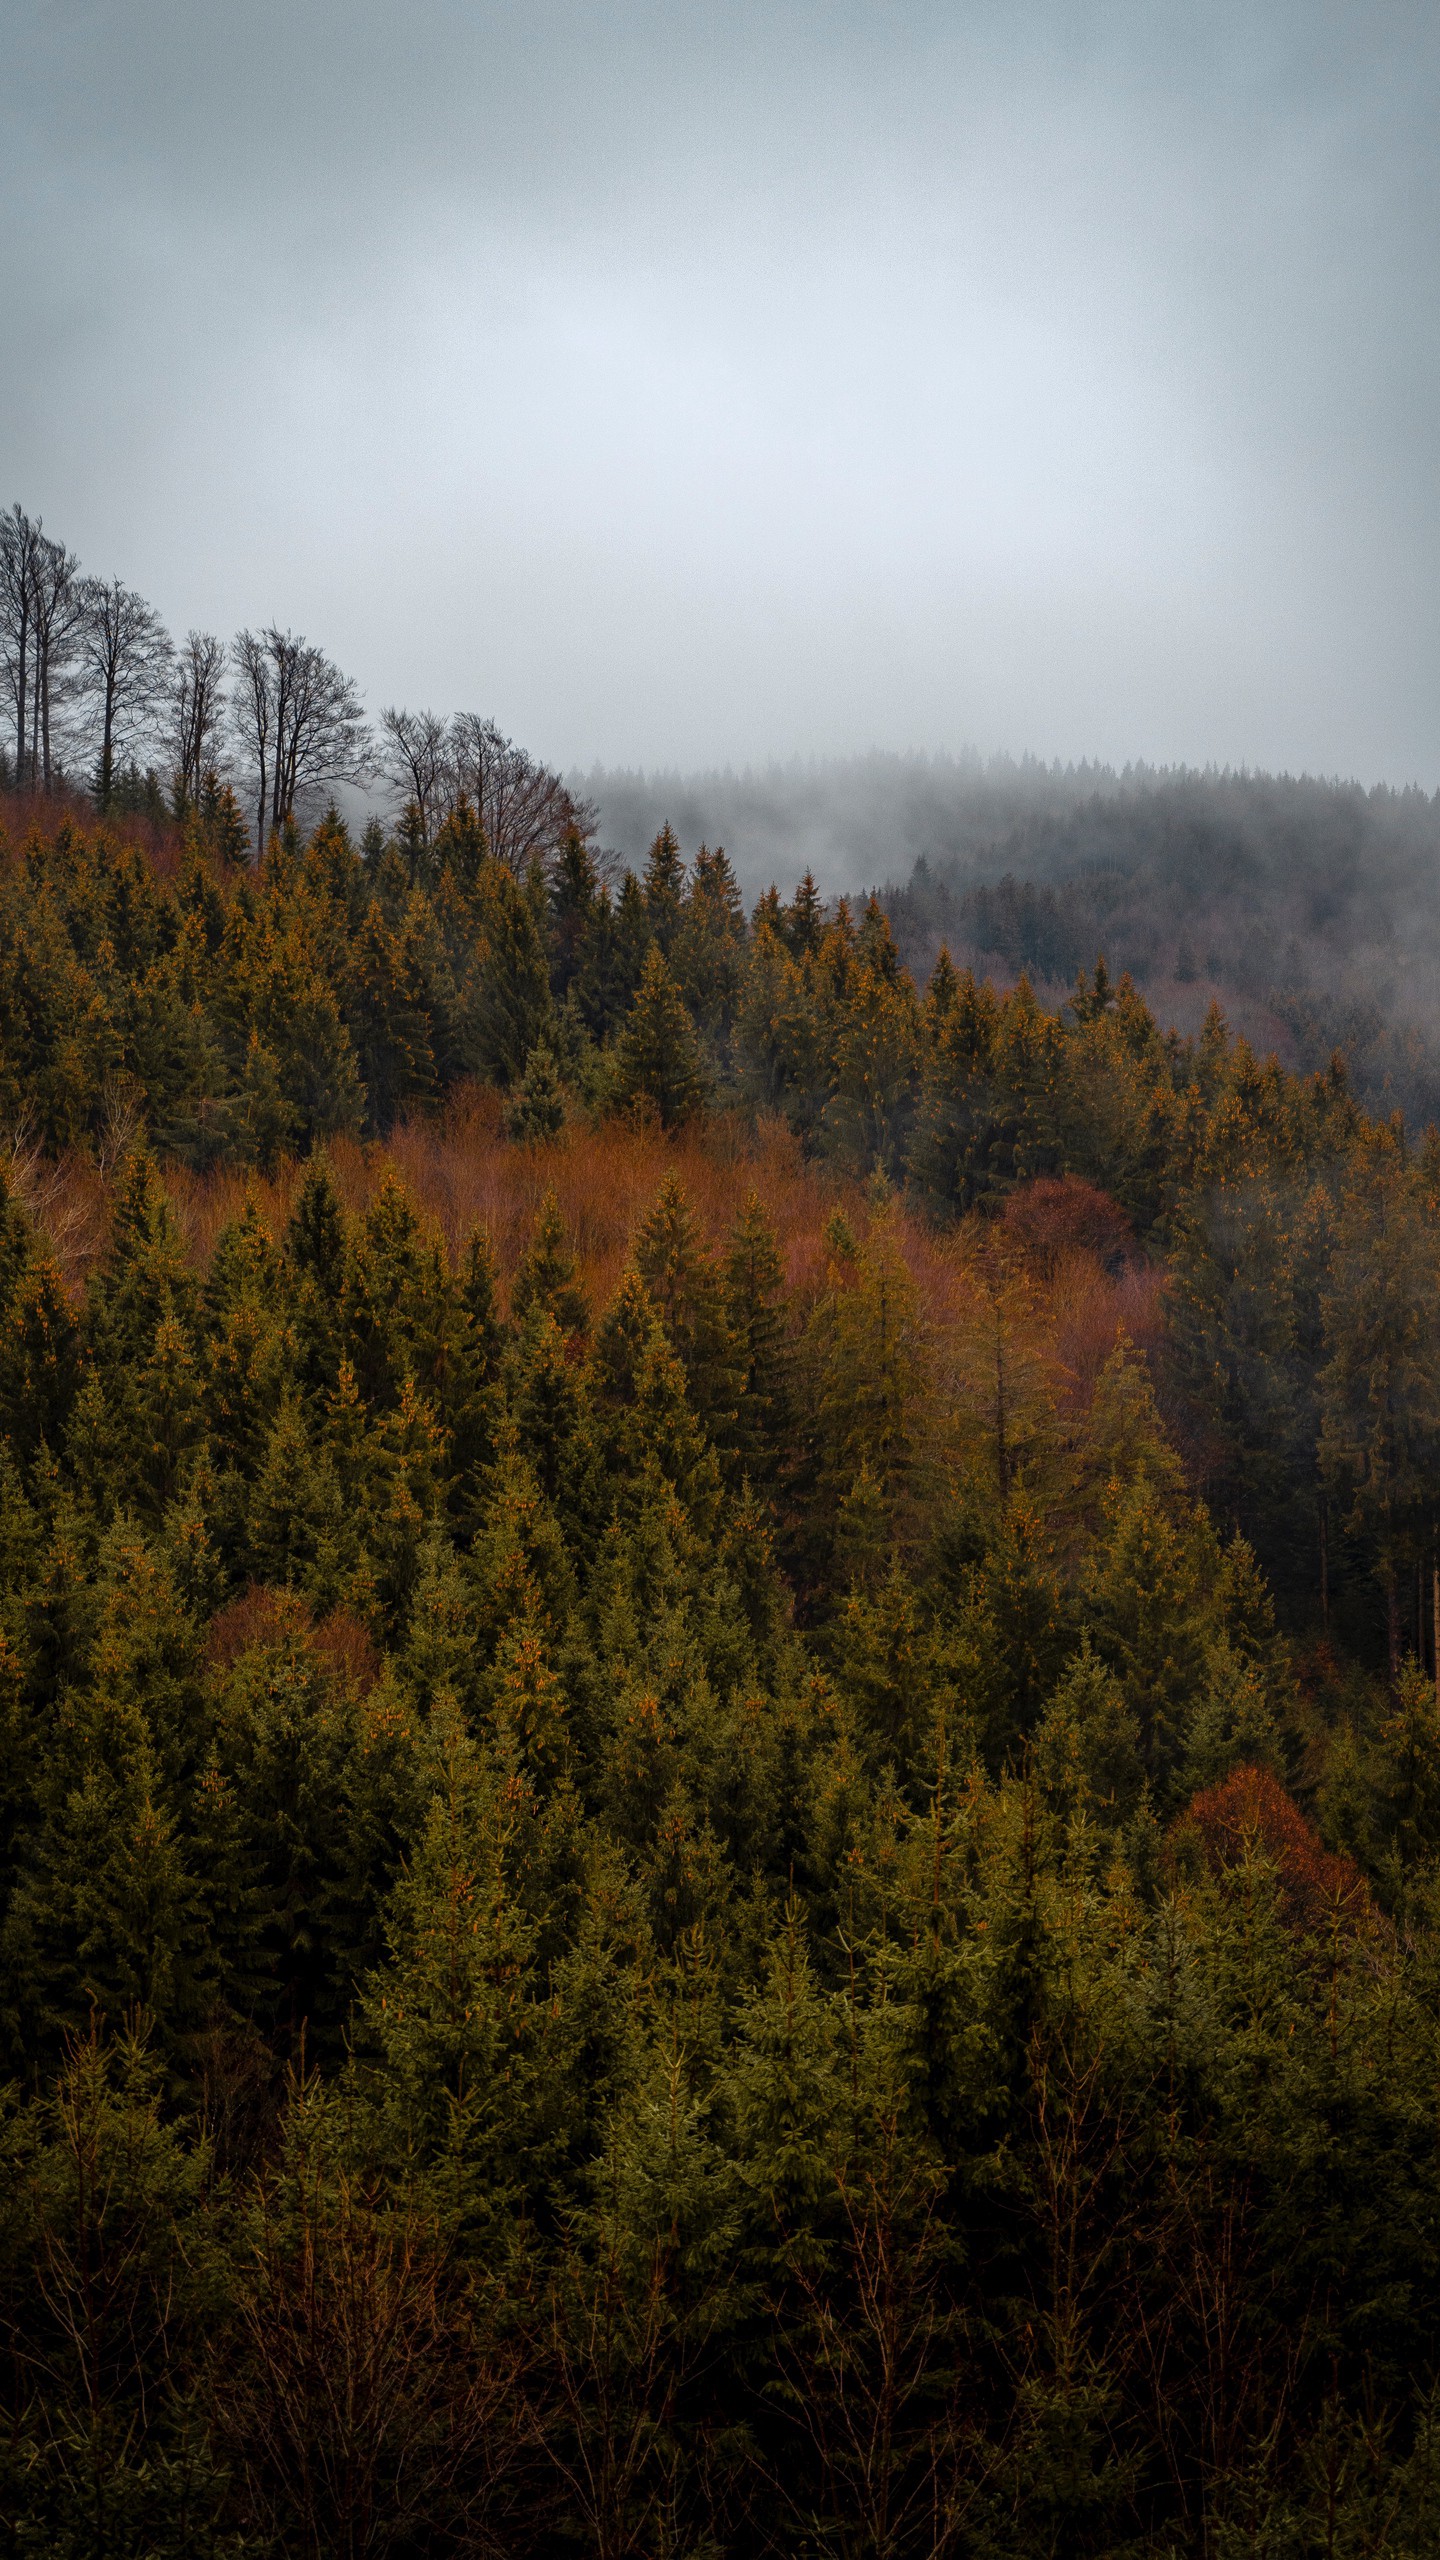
(687, 383)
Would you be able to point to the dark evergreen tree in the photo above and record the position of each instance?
(657, 1061)
(547, 1276)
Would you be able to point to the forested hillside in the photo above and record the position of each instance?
(1310, 909)
(719, 1752)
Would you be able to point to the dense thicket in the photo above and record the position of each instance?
(743, 1915)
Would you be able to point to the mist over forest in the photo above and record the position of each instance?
(1308, 908)
(719, 1419)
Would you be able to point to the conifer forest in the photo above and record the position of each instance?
(719, 1731)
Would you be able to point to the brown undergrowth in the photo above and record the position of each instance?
(1071, 1280)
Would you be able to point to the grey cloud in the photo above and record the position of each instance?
(686, 383)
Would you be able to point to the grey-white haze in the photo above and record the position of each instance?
(691, 385)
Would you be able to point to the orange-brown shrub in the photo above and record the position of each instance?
(26, 813)
(1090, 1309)
(348, 1651)
(462, 1173)
(260, 1616)
(1058, 1216)
(264, 1616)
(1251, 1810)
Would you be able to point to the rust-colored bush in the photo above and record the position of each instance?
(1059, 1215)
(1250, 1810)
(258, 1617)
(1091, 1308)
(344, 1648)
(347, 1649)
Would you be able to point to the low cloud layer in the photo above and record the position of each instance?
(686, 385)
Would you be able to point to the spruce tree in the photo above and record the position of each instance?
(506, 1006)
(628, 944)
(547, 1275)
(687, 1293)
(452, 2008)
(536, 1108)
(471, 1388)
(658, 1059)
(575, 911)
(665, 888)
(40, 1360)
(755, 1303)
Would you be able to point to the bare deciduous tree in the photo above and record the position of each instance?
(37, 610)
(523, 806)
(415, 756)
(125, 655)
(19, 542)
(197, 710)
(56, 624)
(358, 2403)
(299, 721)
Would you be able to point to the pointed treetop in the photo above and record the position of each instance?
(943, 990)
(664, 885)
(316, 1236)
(658, 1060)
(547, 1276)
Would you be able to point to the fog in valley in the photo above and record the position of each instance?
(746, 409)
(1309, 910)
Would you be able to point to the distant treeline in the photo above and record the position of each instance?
(1311, 907)
(97, 695)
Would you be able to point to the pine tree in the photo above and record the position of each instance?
(506, 1005)
(687, 1293)
(266, 1123)
(657, 1060)
(388, 1018)
(471, 1388)
(168, 1416)
(148, 1277)
(547, 1275)
(536, 1108)
(105, 1914)
(575, 910)
(1380, 1387)
(223, 831)
(755, 1298)
(294, 1506)
(398, 1311)
(40, 1360)
(665, 888)
(1087, 1744)
(316, 1237)
(629, 942)
(285, 1745)
(941, 993)
(452, 2009)
(645, 1428)
(317, 1254)
(708, 955)
(460, 845)
(863, 1353)
(805, 918)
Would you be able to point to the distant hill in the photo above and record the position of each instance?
(1309, 909)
